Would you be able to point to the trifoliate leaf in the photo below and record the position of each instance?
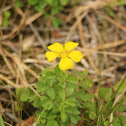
(33, 2)
(51, 115)
(69, 91)
(71, 101)
(72, 78)
(86, 83)
(50, 75)
(74, 119)
(62, 94)
(105, 93)
(64, 117)
(61, 107)
(92, 107)
(61, 82)
(51, 93)
(57, 70)
(47, 104)
(106, 123)
(42, 87)
(92, 115)
(88, 97)
(52, 122)
(56, 22)
(64, 2)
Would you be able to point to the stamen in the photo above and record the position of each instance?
(61, 52)
(66, 52)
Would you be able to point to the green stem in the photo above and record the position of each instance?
(100, 69)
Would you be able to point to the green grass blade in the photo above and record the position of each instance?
(100, 67)
(1, 121)
(117, 3)
(113, 109)
(112, 97)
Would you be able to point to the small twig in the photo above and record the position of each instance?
(117, 24)
(8, 81)
(7, 123)
(7, 62)
(38, 36)
(104, 52)
(39, 116)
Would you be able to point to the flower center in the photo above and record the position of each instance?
(64, 53)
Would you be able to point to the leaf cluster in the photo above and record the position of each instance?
(113, 106)
(63, 97)
(6, 15)
(54, 7)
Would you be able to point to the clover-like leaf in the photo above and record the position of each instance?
(51, 93)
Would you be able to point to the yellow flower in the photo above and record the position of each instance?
(67, 56)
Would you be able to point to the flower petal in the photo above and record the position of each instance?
(70, 45)
(56, 47)
(75, 55)
(66, 63)
(51, 55)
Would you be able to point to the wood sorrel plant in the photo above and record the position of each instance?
(62, 94)
(62, 98)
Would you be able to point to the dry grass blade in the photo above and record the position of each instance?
(104, 52)
(21, 67)
(27, 42)
(112, 44)
(93, 5)
(8, 81)
(32, 18)
(74, 27)
(19, 63)
(7, 62)
(116, 23)
(83, 43)
(80, 30)
(38, 36)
